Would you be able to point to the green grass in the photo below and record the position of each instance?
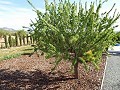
(15, 52)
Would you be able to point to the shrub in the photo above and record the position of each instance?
(78, 35)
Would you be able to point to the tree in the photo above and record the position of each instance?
(4, 32)
(118, 36)
(21, 33)
(10, 41)
(6, 41)
(16, 39)
(78, 35)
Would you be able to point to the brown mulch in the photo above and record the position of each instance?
(33, 73)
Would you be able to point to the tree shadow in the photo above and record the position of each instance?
(28, 49)
(31, 80)
(29, 54)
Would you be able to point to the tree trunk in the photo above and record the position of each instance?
(76, 70)
(16, 39)
(6, 41)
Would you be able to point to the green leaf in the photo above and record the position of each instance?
(65, 28)
(84, 62)
(74, 61)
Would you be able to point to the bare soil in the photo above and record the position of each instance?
(33, 73)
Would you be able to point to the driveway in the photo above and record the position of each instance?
(112, 74)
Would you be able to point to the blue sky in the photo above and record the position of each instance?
(17, 13)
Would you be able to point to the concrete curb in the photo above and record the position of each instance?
(104, 73)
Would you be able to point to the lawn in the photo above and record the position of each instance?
(15, 52)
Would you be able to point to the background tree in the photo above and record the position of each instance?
(4, 32)
(77, 34)
(10, 41)
(6, 41)
(21, 33)
(16, 39)
(24, 40)
(118, 37)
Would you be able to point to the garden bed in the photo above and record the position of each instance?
(33, 73)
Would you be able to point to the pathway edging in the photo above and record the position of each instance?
(104, 73)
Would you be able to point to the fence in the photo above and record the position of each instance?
(13, 41)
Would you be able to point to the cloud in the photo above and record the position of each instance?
(6, 3)
(15, 17)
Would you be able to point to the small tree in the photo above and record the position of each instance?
(31, 39)
(27, 37)
(118, 37)
(16, 39)
(20, 39)
(6, 41)
(10, 41)
(21, 33)
(78, 35)
(4, 32)
(23, 40)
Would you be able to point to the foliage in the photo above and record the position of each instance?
(6, 41)
(20, 39)
(118, 37)
(4, 32)
(10, 41)
(23, 40)
(31, 39)
(13, 42)
(78, 35)
(16, 39)
(21, 33)
(27, 37)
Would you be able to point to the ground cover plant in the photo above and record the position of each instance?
(77, 34)
(14, 52)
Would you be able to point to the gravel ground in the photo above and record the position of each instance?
(112, 73)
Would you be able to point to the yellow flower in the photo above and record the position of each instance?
(93, 58)
(89, 52)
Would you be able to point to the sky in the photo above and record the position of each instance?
(18, 13)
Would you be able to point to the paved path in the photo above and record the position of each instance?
(112, 74)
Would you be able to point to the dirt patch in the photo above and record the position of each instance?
(33, 73)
